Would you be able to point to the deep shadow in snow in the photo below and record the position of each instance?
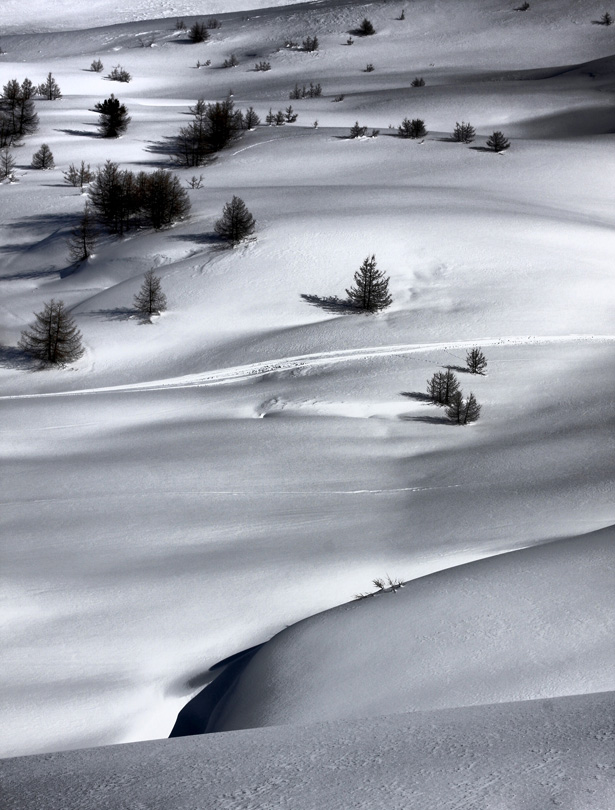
(330, 303)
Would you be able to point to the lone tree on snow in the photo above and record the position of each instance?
(150, 300)
(82, 240)
(366, 29)
(236, 222)
(464, 133)
(498, 142)
(442, 387)
(53, 338)
(198, 32)
(7, 164)
(43, 158)
(371, 290)
(49, 89)
(606, 19)
(113, 119)
(476, 361)
(463, 411)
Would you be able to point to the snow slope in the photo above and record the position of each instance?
(257, 455)
(518, 755)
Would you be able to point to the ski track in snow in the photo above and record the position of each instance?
(260, 369)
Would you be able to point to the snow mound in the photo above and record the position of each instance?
(535, 623)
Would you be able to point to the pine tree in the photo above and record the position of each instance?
(366, 28)
(251, 119)
(81, 176)
(357, 131)
(606, 19)
(161, 198)
(49, 89)
(97, 66)
(198, 32)
(464, 133)
(150, 300)
(113, 119)
(290, 116)
(82, 240)
(442, 387)
(7, 164)
(463, 411)
(53, 338)
(371, 290)
(476, 361)
(418, 81)
(498, 142)
(43, 158)
(236, 222)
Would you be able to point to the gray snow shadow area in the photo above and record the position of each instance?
(580, 122)
(529, 755)
(196, 715)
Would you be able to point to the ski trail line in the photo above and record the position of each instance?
(260, 369)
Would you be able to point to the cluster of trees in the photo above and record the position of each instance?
(122, 200)
(119, 74)
(310, 44)
(443, 389)
(213, 127)
(18, 117)
(281, 117)
(313, 91)
(414, 128)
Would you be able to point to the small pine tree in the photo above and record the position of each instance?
(150, 300)
(81, 176)
(97, 66)
(43, 159)
(198, 32)
(236, 222)
(464, 133)
(366, 29)
(7, 164)
(310, 44)
(82, 240)
(606, 19)
(49, 89)
(442, 387)
(53, 338)
(231, 62)
(463, 411)
(357, 131)
(476, 361)
(498, 142)
(402, 16)
(119, 74)
(251, 119)
(418, 81)
(113, 119)
(523, 7)
(290, 116)
(371, 290)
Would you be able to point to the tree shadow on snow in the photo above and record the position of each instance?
(330, 303)
(80, 132)
(14, 357)
(429, 420)
(483, 149)
(114, 314)
(419, 396)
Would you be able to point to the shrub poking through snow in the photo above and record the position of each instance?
(366, 29)
(498, 142)
(476, 361)
(49, 89)
(236, 222)
(150, 300)
(418, 81)
(357, 131)
(606, 19)
(464, 133)
(313, 91)
(53, 338)
(290, 116)
(119, 74)
(463, 411)
(262, 66)
(198, 32)
(371, 288)
(412, 129)
(369, 68)
(442, 387)
(402, 16)
(43, 158)
(523, 7)
(82, 239)
(340, 97)
(231, 62)
(113, 119)
(382, 585)
(96, 66)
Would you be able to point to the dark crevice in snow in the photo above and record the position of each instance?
(196, 715)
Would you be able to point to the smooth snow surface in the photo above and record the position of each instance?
(259, 454)
(537, 754)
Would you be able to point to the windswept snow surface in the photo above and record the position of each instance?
(535, 754)
(258, 454)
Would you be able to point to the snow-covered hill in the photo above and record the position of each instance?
(256, 456)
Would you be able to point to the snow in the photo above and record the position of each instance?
(190, 488)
